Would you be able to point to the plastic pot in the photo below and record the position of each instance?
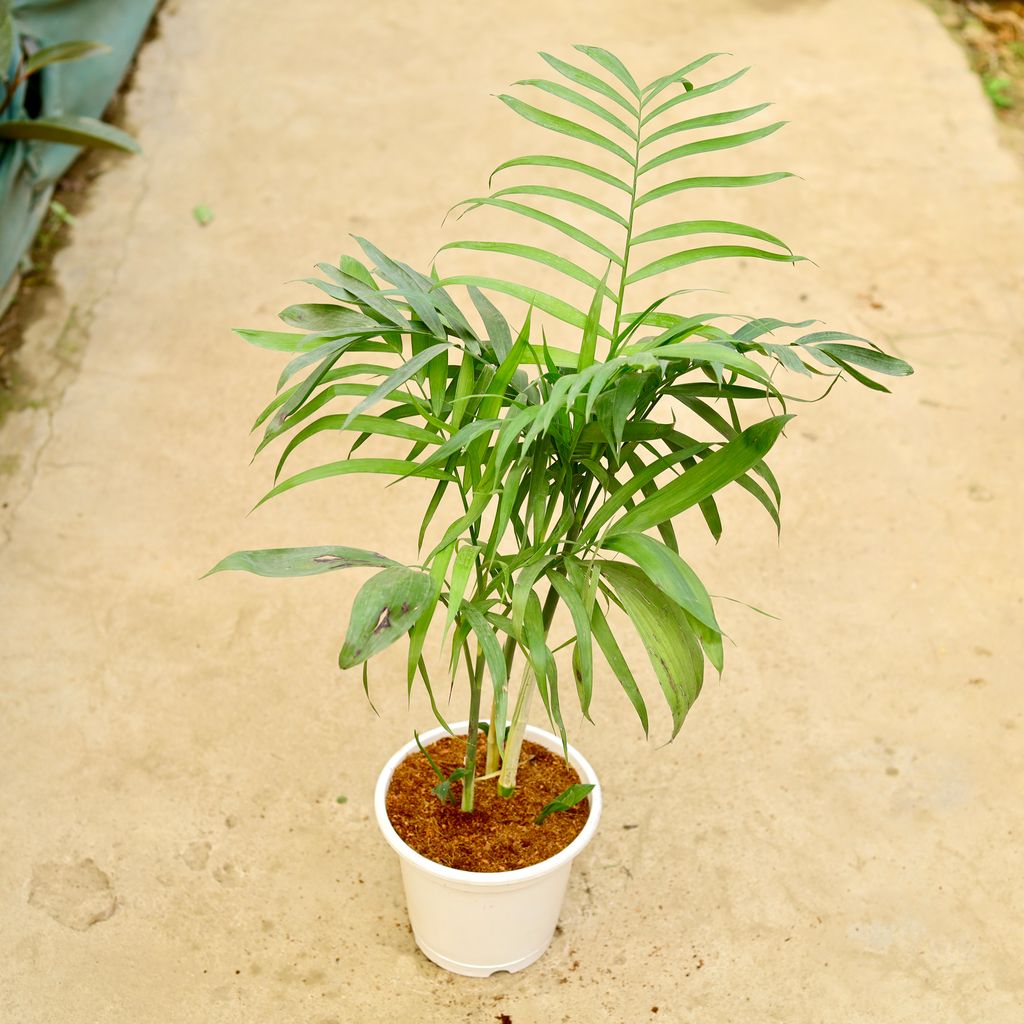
(455, 914)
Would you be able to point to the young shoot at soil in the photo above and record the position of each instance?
(555, 428)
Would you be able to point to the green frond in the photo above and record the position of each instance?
(706, 181)
(710, 146)
(693, 94)
(563, 92)
(537, 255)
(589, 81)
(565, 164)
(564, 126)
(567, 229)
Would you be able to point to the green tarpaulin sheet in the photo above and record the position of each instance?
(29, 169)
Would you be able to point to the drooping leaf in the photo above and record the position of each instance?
(667, 571)
(299, 561)
(618, 664)
(386, 607)
(576, 604)
(71, 131)
(662, 626)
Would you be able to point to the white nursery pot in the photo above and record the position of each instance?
(479, 922)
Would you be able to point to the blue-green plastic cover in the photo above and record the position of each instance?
(30, 169)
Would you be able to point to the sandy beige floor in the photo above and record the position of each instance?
(836, 835)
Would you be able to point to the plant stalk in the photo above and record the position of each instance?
(475, 686)
(493, 757)
(494, 749)
(517, 730)
(516, 733)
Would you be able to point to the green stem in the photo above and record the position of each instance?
(516, 733)
(493, 750)
(475, 686)
(517, 730)
(493, 757)
(629, 232)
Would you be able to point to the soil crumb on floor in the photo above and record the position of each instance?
(500, 834)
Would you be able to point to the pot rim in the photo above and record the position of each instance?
(484, 879)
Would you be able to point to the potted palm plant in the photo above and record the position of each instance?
(567, 433)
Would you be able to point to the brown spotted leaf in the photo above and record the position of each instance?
(299, 561)
(386, 607)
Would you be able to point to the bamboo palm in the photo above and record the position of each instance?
(548, 435)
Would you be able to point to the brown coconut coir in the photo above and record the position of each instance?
(500, 834)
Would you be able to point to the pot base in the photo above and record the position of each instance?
(478, 970)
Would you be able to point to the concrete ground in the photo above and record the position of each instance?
(835, 836)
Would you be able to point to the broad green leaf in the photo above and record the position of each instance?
(351, 266)
(299, 561)
(668, 572)
(280, 341)
(323, 317)
(564, 126)
(878, 362)
(727, 430)
(711, 642)
(461, 572)
(663, 628)
(711, 474)
(71, 131)
(386, 607)
(574, 795)
(525, 582)
(565, 164)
